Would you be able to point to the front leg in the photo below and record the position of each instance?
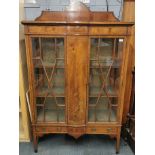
(118, 141)
(35, 142)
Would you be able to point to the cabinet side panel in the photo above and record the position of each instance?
(30, 77)
(77, 48)
(125, 77)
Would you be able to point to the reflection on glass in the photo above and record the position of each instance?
(48, 62)
(105, 65)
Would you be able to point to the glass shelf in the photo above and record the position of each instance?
(94, 91)
(50, 116)
(50, 110)
(47, 64)
(58, 92)
(101, 115)
(105, 63)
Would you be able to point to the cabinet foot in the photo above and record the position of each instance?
(36, 151)
(35, 143)
(118, 142)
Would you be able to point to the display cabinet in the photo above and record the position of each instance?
(77, 63)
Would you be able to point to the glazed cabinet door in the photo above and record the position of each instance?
(77, 56)
(48, 71)
(105, 66)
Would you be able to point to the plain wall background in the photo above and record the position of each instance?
(33, 8)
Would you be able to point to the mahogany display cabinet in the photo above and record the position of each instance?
(77, 64)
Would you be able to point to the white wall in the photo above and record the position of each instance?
(33, 8)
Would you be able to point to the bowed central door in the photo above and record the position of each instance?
(77, 55)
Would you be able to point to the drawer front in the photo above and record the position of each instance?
(101, 130)
(54, 30)
(75, 30)
(76, 129)
(55, 129)
(108, 31)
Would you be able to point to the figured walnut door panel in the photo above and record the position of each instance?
(77, 54)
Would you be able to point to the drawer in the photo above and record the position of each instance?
(55, 30)
(108, 30)
(101, 130)
(73, 30)
(76, 129)
(54, 129)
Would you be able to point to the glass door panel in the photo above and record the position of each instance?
(105, 66)
(49, 73)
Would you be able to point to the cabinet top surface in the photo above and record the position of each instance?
(76, 14)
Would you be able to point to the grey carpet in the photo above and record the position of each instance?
(66, 145)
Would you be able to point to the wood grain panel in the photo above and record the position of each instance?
(128, 86)
(55, 30)
(100, 30)
(76, 132)
(53, 129)
(77, 30)
(77, 52)
(101, 130)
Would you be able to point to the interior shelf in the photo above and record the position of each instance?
(96, 95)
(42, 92)
(94, 63)
(101, 111)
(51, 112)
(47, 64)
(50, 116)
(94, 92)
(101, 115)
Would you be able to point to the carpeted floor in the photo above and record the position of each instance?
(66, 145)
